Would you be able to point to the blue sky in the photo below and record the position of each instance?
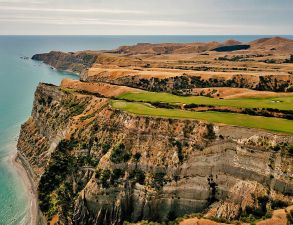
(146, 17)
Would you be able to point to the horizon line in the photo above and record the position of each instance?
(146, 35)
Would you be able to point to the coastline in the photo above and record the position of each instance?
(33, 216)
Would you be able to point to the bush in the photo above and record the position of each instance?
(290, 149)
(116, 175)
(171, 215)
(220, 220)
(105, 148)
(44, 101)
(65, 145)
(159, 180)
(119, 154)
(276, 148)
(210, 132)
(87, 160)
(104, 178)
(60, 165)
(83, 118)
(138, 176)
(263, 200)
(75, 108)
(98, 173)
(137, 156)
(277, 204)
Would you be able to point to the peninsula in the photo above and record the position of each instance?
(196, 133)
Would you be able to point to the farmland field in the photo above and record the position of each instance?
(282, 103)
(272, 124)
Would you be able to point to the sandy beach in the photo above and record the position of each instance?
(16, 161)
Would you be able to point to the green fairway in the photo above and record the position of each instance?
(273, 124)
(282, 103)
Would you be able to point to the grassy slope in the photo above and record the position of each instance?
(286, 103)
(273, 124)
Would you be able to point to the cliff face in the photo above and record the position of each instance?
(184, 84)
(71, 62)
(97, 165)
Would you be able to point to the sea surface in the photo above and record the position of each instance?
(18, 80)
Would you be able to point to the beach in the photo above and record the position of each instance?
(20, 165)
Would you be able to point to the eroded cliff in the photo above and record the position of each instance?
(94, 164)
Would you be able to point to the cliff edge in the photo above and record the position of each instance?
(94, 164)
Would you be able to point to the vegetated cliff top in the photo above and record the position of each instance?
(249, 73)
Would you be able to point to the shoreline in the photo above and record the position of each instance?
(18, 163)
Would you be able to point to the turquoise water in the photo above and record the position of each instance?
(18, 81)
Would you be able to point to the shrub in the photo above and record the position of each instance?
(83, 118)
(159, 180)
(220, 220)
(77, 110)
(60, 164)
(171, 215)
(263, 200)
(105, 148)
(276, 204)
(98, 173)
(137, 156)
(276, 148)
(116, 175)
(119, 154)
(87, 160)
(65, 145)
(138, 176)
(290, 149)
(104, 178)
(210, 132)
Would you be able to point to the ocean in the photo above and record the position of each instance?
(18, 80)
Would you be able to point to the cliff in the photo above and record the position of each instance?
(180, 68)
(94, 164)
(71, 62)
(185, 84)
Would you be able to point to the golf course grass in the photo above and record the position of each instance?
(282, 103)
(268, 123)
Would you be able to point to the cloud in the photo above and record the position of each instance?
(72, 10)
(152, 16)
(117, 22)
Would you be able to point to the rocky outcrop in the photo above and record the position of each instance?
(71, 62)
(99, 165)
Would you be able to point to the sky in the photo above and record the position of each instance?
(146, 17)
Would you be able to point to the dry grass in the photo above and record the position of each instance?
(104, 89)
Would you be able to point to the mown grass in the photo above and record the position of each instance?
(282, 103)
(272, 124)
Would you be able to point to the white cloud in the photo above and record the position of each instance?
(71, 10)
(113, 22)
(146, 17)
